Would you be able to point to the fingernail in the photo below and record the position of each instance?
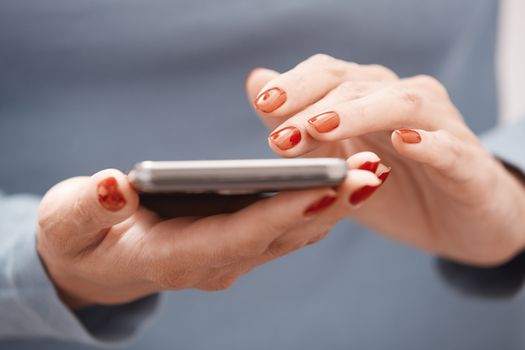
(384, 175)
(109, 195)
(370, 166)
(325, 122)
(409, 136)
(286, 138)
(362, 194)
(321, 204)
(271, 99)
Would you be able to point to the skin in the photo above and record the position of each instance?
(446, 195)
(96, 255)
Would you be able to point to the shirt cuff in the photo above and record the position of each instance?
(508, 144)
(32, 305)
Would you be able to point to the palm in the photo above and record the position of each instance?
(419, 205)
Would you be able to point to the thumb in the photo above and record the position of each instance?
(77, 212)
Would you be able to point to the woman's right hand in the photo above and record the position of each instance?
(100, 247)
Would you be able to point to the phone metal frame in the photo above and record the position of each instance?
(236, 176)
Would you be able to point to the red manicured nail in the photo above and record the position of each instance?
(271, 99)
(321, 204)
(325, 122)
(370, 166)
(362, 194)
(286, 138)
(384, 175)
(109, 195)
(409, 136)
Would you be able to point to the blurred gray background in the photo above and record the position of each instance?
(86, 85)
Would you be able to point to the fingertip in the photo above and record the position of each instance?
(290, 141)
(356, 178)
(256, 79)
(359, 186)
(290, 206)
(114, 192)
(364, 160)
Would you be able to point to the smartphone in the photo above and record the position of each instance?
(235, 177)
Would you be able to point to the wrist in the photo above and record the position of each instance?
(59, 281)
(511, 193)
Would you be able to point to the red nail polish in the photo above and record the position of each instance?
(362, 194)
(271, 99)
(384, 175)
(321, 204)
(370, 166)
(409, 136)
(109, 195)
(325, 122)
(286, 138)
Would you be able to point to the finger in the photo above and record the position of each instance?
(325, 217)
(253, 85)
(225, 239)
(325, 214)
(358, 186)
(77, 211)
(251, 230)
(292, 139)
(438, 149)
(364, 161)
(390, 108)
(256, 80)
(309, 81)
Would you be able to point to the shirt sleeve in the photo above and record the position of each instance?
(506, 281)
(508, 144)
(29, 303)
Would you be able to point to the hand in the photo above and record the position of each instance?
(100, 247)
(447, 195)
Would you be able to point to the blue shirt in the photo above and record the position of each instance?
(95, 84)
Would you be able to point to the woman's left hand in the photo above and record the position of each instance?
(446, 194)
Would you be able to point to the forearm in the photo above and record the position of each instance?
(28, 300)
(507, 145)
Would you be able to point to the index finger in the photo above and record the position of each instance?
(309, 81)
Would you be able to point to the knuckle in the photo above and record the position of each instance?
(331, 66)
(279, 248)
(276, 250)
(82, 212)
(381, 72)
(275, 224)
(243, 248)
(410, 99)
(245, 244)
(321, 58)
(221, 283)
(352, 90)
(174, 280)
(318, 238)
(426, 79)
(246, 248)
(431, 83)
(45, 220)
(454, 149)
